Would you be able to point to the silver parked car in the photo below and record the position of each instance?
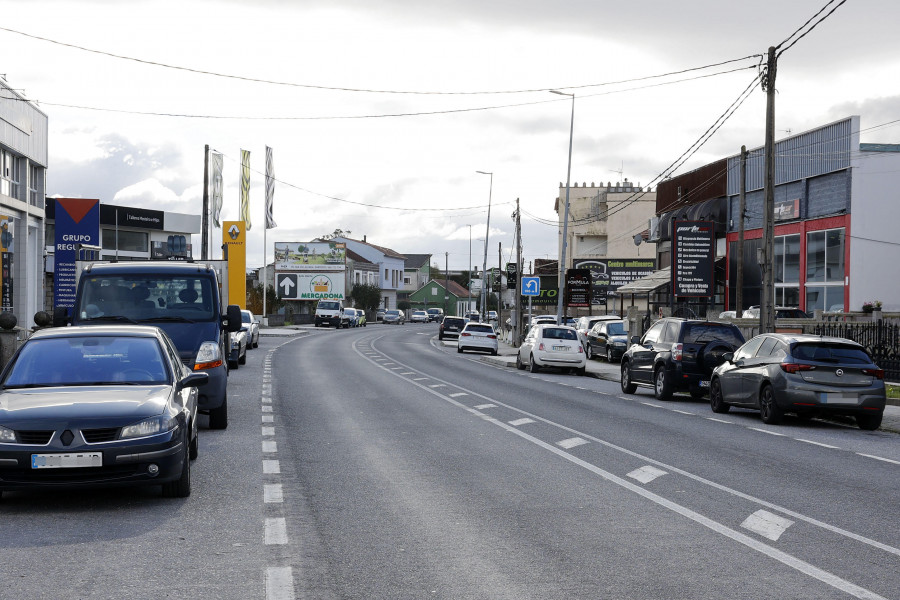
(250, 324)
(397, 317)
(808, 375)
(550, 345)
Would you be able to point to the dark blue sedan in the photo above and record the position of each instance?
(100, 405)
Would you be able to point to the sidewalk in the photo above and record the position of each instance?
(603, 370)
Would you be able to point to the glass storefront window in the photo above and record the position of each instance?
(825, 270)
(129, 241)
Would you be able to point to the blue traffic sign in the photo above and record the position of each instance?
(531, 286)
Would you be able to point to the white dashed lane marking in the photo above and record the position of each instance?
(279, 583)
(896, 462)
(268, 431)
(518, 422)
(271, 467)
(269, 447)
(766, 431)
(483, 406)
(272, 493)
(646, 474)
(276, 532)
(572, 443)
(817, 443)
(767, 524)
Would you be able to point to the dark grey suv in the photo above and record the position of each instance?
(678, 355)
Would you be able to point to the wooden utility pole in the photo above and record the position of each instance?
(767, 305)
(517, 322)
(499, 282)
(446, 280)
(204, 219)
(742, 207)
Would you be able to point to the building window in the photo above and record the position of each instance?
(406, 280)
(129, 241)
(36, 185)
(825, 270)
(9, 174)
(787, 270)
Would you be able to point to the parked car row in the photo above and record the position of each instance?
(242, 340)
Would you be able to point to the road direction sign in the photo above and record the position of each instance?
(287, 285)
(531, 286)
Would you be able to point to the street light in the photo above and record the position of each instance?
(486, 234)
(469, 269)
(562, 253)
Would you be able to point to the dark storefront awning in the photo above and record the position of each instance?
(648, 284)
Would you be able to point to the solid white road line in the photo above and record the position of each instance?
(279, 583)
(276, 532)
(766, 524)
(646, 474)
(271, 467)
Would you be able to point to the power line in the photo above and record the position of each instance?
(805, 33)
(365, 90)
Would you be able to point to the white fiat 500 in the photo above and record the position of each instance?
(549, 345)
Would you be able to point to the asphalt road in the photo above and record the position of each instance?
(376, 463)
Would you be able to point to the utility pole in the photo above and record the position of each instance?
(739, 302)
(517, 322)
(499, 283)
(446, 280)
(767, 306)
(204, 218)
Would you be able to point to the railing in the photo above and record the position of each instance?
(881, 339)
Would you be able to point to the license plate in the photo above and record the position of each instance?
(838, 398)
(67, 461)
(704, 383)
(561, 348)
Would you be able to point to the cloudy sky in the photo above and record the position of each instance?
(381, 112)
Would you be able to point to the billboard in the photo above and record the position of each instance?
(77, 224)
(693, 256)
(578, 287)
(310, 256)
(609, 274)
(310, 286)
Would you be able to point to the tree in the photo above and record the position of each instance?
(366, 296)
(255, 300)
(403, 305)
(337, 233)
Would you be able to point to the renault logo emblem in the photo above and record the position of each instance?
(839, 372)
(233, 231)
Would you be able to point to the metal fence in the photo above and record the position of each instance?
(881, 339)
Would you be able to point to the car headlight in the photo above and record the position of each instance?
(619, 344)
(207, 356)
(7, 436)
(148, 427)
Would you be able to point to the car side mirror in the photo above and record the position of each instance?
(728, 357)
(195, 379)
(635, 339)
(233, 318)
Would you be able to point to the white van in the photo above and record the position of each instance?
(331, 312)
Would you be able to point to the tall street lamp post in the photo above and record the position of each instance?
(469, 269)
(486, 234)
(565, 236)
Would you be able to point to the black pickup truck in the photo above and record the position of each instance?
(678, 355)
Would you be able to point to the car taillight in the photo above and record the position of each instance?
(876, 373)
(492, 337)
(541, 346)
(465, 334)
(677, 352)
(580, 349)
(794, 367)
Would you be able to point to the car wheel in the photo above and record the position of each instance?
(588, 353)
(627, 386)
(519, 365)
(218, 417)
(533, 366)
(769, 410)
(233, 364)
(243, 359)
(459, 349)
(662, 389)
(716, 401)
(493, 352)
(181, 487)
(869, 422)
(581, 372)
(440, 337)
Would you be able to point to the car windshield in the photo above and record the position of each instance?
(88, 360)
(702, 333)
(616, 328)
(393, 312)
(329, 305)
(148, 297)
(559, 333)
(246, 317)
(832, 353)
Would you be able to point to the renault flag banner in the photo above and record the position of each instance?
(270, 189)
(245, 189)
(215, 187)
(77, 224)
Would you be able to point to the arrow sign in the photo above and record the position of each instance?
(287, 283)
(531, 286)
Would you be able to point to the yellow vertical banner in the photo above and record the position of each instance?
(234, 242)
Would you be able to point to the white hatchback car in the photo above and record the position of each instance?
(477, 336)
(549, 345)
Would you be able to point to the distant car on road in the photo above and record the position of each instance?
(98, 405)
(550, 345)
(352, 316)
(435, 314)
(477, 336)
(418, 316)
(584, 324)
(379, 315)
(808, 375)
(360, 317)
(395, 317)
(473, 315)
(450, 327)
(250, 324)
(237, 354)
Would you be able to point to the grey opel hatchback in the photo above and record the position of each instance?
(808, 375)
